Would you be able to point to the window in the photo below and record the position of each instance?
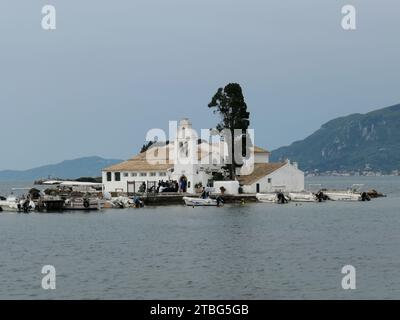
(133, 174)
(117, 176)
(143, 174)
(269, 180)
(152, 174)
(108, 176)
(126, 174)
(162, 174)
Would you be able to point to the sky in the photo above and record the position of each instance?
(112, 70)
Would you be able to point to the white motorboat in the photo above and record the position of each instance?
(277, 197)
(303, 197)
(10, 203)
(352, 194)
(266, 197)
(196, 202)
(126, 202)
(343, 195)
(121, 202)
(13, 204)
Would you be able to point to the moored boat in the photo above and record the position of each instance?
(307, 196)
(126, 202)
(9, 204)
(13, 204)
(276, 197)
(344, 196)
(352, 194)
(196, 202)
(303, 197)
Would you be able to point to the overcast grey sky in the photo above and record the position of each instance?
(114, 69)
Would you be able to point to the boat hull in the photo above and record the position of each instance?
(82, 204)
(338, 196)
(271, 198)
(198, 202)
(302, 197)
(8, 207)
(14, 205)
(267, 198)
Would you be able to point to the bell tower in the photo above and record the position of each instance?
(184, 138)
(186, 155)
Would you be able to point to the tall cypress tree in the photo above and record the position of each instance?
(229, 103)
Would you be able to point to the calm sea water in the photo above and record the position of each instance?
(251, 251)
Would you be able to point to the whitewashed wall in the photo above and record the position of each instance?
(112, 186)
(193, 174)
(288, 176)
(232, 187)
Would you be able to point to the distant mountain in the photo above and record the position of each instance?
(68, 169)
(356, 142)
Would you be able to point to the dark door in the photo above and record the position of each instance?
(258, 188)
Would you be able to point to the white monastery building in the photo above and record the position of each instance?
(195, 161)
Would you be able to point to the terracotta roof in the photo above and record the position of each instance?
(260, 171)
(138, 165)
(260, 150)
(140, 162)
(148, 161)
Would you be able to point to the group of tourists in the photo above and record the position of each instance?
(167, 186)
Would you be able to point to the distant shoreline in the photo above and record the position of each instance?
(372, 174)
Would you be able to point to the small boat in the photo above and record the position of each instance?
(13, 204)
(196, 202)
(343, 196)
(307, 196)
(352, 194)
(266, 197)
(10, 203)
(121, 202)
(303, 197)
(82, 204)
(276, 197)
(126, 202)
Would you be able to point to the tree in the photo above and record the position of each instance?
(146, 146)
(229, 103)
